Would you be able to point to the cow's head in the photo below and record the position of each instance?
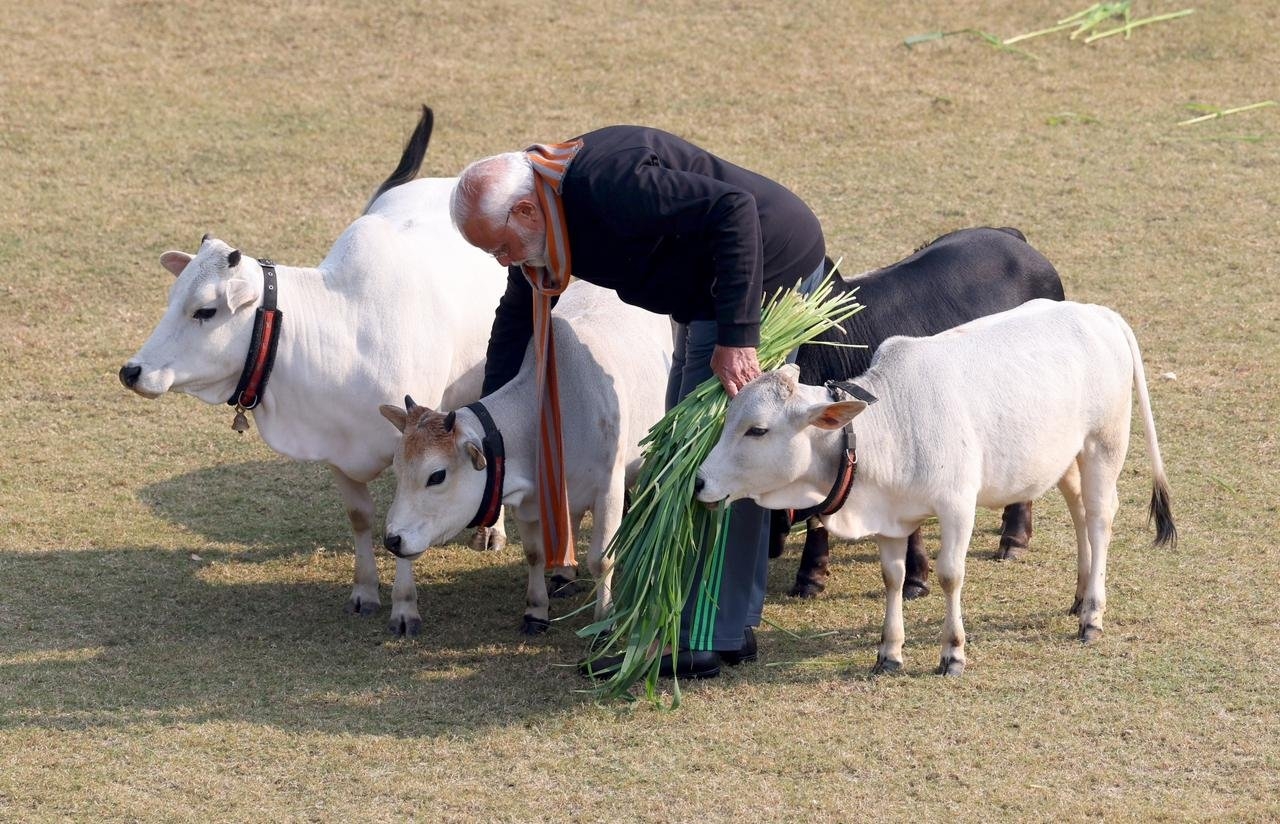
(779, 444)
(200, 344)
(440, 477)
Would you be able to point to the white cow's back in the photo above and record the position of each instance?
(988, 390)
(613, 360)
(403, 305)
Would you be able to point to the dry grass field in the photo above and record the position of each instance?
(172, 646)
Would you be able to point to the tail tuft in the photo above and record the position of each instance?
(1160, 512)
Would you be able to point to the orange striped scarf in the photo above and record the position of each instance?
(550, 162)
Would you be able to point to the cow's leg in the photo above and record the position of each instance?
(564, 579)
(490, 538)
(1098, 476)
(606, 518)
(364, 593)
(1069, 486)
(811, 577)
(893, 568)
(957, 530)
(1015, 531)
(917, 583)
(404, 602)
(779, 529)
(537, 611)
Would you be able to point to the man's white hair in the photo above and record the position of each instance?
(490, 187)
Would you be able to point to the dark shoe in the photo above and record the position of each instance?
(688, 664)
(744, 655)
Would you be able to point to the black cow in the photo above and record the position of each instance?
(958, 277)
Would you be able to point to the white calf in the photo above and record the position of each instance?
(401, 303)
(990, 413)
(612, 360)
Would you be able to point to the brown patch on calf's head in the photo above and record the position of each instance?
(424, 431)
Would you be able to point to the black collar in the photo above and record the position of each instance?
(848, 467)
(495, 458)
(262, 350)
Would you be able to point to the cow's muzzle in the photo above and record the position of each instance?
(396, 546)
(129, 374)
(393, 543)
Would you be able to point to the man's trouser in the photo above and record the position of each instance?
(732, 597)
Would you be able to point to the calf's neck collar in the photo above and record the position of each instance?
(847, 467)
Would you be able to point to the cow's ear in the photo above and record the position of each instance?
(835, 415)
(240, 292)
(395, 414)
(175, 262)
(477, 455)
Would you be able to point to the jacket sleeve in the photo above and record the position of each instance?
(512, 329)
(725, 218)
(511, 332)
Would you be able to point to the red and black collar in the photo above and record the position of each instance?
(495, 458)
(848, 467)
(262, 350)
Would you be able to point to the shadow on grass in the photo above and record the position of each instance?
(149, 636)
(123, 637)
(278, 505)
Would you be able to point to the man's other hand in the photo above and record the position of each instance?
(735, 366)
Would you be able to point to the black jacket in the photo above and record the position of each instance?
(673, 229)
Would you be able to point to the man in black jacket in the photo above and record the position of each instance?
(675, 230)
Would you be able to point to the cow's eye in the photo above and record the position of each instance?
(756, 432)
(437, 477)
(204, 314)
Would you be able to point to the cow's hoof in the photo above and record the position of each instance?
(530, 625)
(1010, 552)
(912, 590)
(405, 627)
(563, 587)
(1075, 606)
(487, 539)
(361, 607)
(950, 666)
(1090, 633)
(807, 589)
(886, 666)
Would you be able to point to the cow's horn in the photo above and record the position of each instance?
(448, 421)
(408, 404)
(233, 259)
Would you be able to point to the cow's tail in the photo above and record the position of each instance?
(410, 159)
(1160, 511)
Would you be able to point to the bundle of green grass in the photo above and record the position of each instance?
(665, 533)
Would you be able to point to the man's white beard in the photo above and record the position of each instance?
(536, 243)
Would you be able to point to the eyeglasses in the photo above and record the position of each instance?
(503, 250)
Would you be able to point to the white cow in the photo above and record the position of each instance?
(612, 360)
(990, 413)
(401, 303)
